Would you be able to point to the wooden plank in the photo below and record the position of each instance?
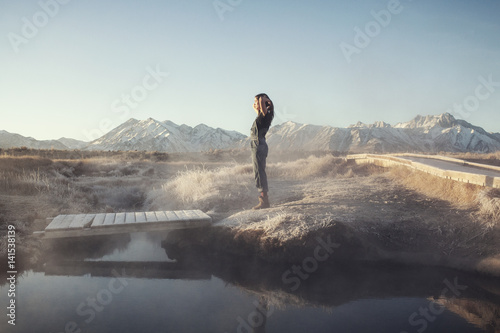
(165, 220)
(109, 219)
(198, 214)
(205, 215)
(190, 214)
(140, 217)
(61, 224)
(130, 218)
(55, 222)
(67, 221)
(98, 220)
(77, 225)
(161, 216)
(201, 215)
(124, 229)
(171, 216)
(77, 222)
(181, 215)
(89, 218)
(120, 218)
(61, 221)
(151, 217)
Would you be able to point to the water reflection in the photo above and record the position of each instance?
(129, 284)
(141, 247)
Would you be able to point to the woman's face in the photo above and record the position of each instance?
(256, 105)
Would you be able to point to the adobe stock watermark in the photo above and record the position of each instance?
(129, 101)
(223, 6)
(363, 37)
(282, 115)
(92, 305)
(31, 27)
(484, 90)
(255, 319)
(425, 315)
(296, 274)
(11, 274)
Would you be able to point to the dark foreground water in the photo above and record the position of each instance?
(129, 284)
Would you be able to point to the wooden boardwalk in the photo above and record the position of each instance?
(76, 225)
(444, 167)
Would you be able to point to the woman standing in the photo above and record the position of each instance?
(264, 108)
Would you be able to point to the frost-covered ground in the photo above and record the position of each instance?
(365, 207)
(372, 212)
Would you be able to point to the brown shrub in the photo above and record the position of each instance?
(489, 206)
(16, 164)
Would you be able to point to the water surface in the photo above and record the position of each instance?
(130, 284)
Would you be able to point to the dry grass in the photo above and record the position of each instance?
(313, 166)
(468, 196)
(25, 175)
(489, 206)
(204, 189)
(458, 193)
(32, 176)
(24, 182)
(98, 167)
(323, 166)
(285, 226)
(37, 187)
(12, 163)
(232, 188)
(466, 156)
(55, 154)
(491, 158)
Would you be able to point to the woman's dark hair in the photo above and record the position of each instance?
(270, 107)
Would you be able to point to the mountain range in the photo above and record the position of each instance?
(154, 135)
(431, 133)
(421, 134)
(10, 140)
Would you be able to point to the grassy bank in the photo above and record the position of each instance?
(33, 188)
(372, 211)
(395, 214)
(486, 201)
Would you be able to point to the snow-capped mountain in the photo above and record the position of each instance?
(154, 135)
(11, 140)
(421, 134)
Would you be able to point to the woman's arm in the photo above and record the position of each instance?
(263, 105)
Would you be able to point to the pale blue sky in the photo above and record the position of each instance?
(71, 77)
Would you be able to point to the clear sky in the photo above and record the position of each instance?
(79, 68)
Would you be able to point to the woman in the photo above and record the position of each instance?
(264, 108)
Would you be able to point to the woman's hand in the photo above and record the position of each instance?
(260, 105)
(256, 106)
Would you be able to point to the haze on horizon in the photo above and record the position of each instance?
(76, 69)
